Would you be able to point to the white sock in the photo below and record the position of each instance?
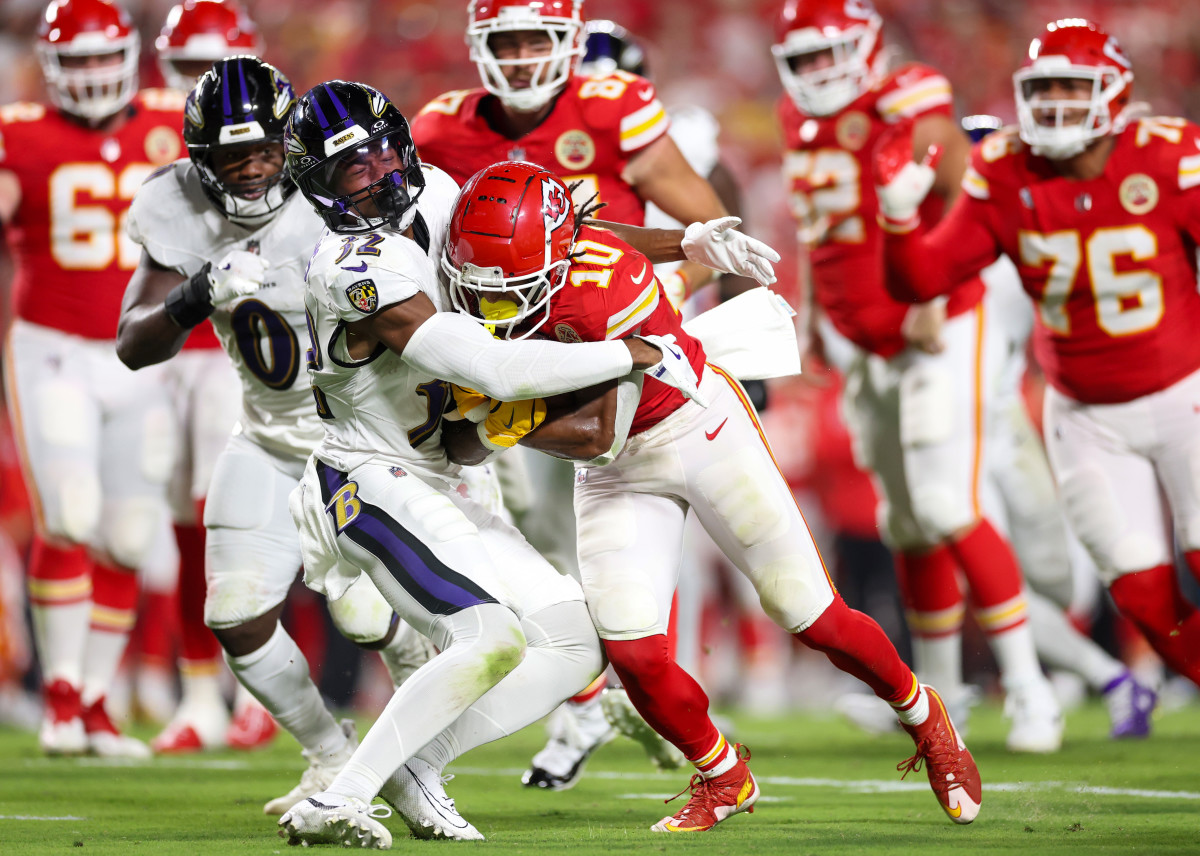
(916, 711)
(938, 660)
(277, 675)
(1016, 656)
(200, 683)
(61, 633)
(1061, 646)
(100, 662)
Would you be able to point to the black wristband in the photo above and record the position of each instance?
(187, 304)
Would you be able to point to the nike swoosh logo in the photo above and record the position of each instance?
(954, 812)
(510, 421)
(358, 268)
(712, 435)
(637, 280)
(646, 94)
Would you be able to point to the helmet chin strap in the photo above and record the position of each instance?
(255, 212)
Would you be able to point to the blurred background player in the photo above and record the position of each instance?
(1086, 174)
(204, 389)
(96, 439)
(606, 133)
(918, 380)
(225, 237)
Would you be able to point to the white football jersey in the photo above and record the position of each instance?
(264, 333)
(379, 407)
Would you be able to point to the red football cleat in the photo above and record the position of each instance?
(61, 732)
(951, 769)
(715, 799)
(105, 740)
(251, 727)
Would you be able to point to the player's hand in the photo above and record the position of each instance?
(901, 184)
(674, 369)
(238, 274)
(922, 326)
(717, 244)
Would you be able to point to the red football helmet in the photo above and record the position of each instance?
(200, 32)
(509, 246)
(841, 41)
(75, 31)
(561, 20)
(1071, 49)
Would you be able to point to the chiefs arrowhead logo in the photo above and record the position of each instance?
(556, 204)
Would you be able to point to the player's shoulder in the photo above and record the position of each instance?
(999, 158)
(445, 113)
(22, 124)
(20, 113)
(613, 282)
(161, 101)
(623, 102)
(911, 91)
(167, 187)
(1168, 147)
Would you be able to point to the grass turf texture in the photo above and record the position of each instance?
(827, 789)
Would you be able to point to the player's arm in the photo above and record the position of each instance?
(145, 333)
(452, 347)
(936, 131)
(10, 196)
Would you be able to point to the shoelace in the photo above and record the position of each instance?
(927, 754)
(378, 811)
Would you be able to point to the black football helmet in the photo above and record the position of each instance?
(609, 47)
(240, 100)
(352, 154)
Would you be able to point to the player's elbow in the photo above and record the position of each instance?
(596, 437)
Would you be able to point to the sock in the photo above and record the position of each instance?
(858, 646)
(154, 641)
(666, 696)
(1153, 601)
(60, 602)
(114, 611)
(934, 611)
(1061, 646)
(277, 675)
(197, 643)
(591, 691)
(915, 708)
(719, 759)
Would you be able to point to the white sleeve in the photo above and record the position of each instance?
(452, 347)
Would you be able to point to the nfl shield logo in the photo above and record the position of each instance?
(363, 296)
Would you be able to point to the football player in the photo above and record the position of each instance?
(204, 390)
(606, 135)
(518, 268)
(224, 238)
(97, 440)
(918, 380)
(1099, 208)
(380, 496)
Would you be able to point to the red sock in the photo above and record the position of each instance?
(58, 575)
(114, 598)
(928, 583)
(1153, 601)
(993, 576)
(590, 691)
(858, 646)
(666, 696)
(196, 642)
(154, 641)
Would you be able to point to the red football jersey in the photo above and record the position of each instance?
(597, 123)
(1110, 262)
(73, 258)
(611, 293)
(827, 168)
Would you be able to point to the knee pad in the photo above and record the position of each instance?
(899, 531)
(624, 612)
(938, 511)
(789, 592)
(361, 614)
(1097, 522)
(73, 511)
(159, 445)
(130, 528)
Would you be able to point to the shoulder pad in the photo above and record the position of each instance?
(21, 111)
(164, 100)
(912, 90)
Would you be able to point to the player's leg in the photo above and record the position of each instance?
(56, 422)
(1020, 478)
(206, 397)
(740, 496)
(428, 561)
(944, 416)
(1111, 496)
(253, 557)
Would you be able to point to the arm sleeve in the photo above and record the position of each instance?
(456, 349)
(924, 264)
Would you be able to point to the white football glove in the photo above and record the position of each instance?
(674, 369)
(717, 244)
(901, 184)
(237, 275)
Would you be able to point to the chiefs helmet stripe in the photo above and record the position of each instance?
(626, 321)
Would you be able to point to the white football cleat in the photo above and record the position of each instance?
(576, 731)
(1037, 721)
(105, 740)
(320, 773)
(61, 732)
(623, 716)
(326, 818)
(418, 794)
(195, 727)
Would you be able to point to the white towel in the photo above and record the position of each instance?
(752, 336)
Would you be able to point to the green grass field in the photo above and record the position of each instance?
(826, 790)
